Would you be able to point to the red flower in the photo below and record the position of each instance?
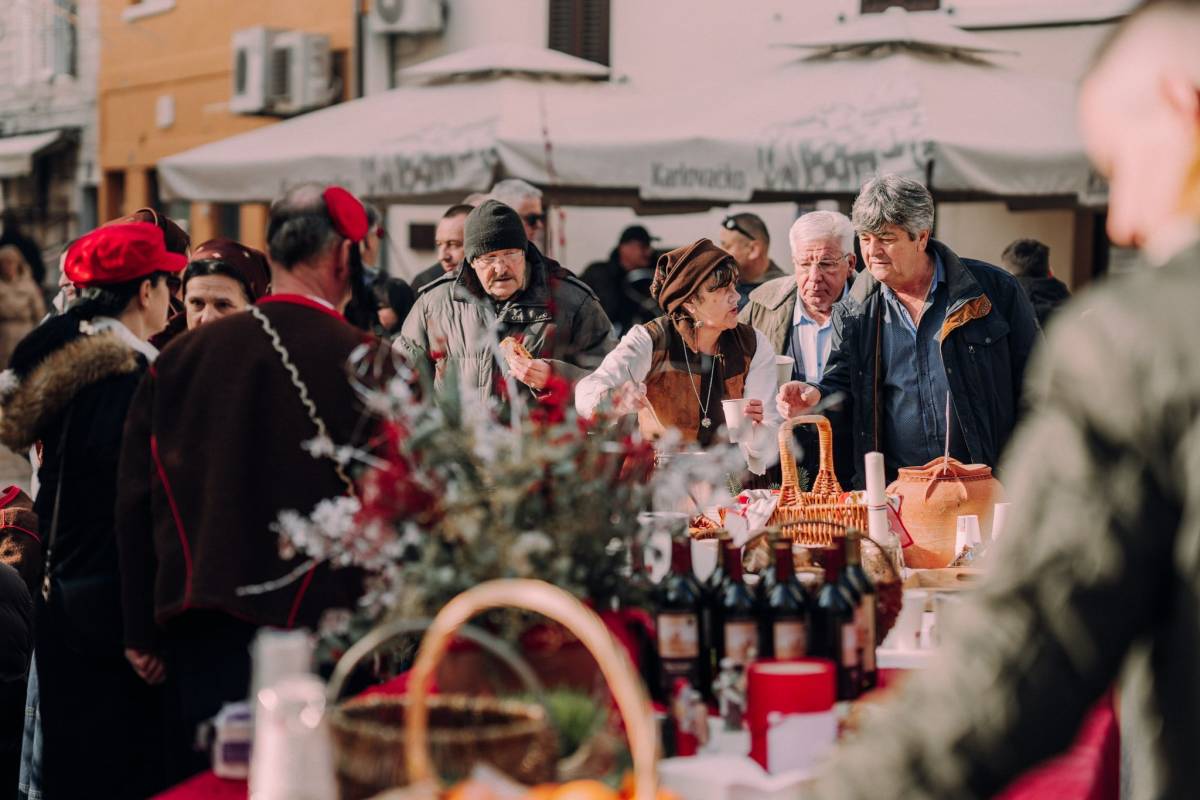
(552, 403)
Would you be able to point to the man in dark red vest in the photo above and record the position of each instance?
(213, 453)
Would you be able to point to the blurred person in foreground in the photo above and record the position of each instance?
(222, 278)
(622, 283)
(506, 290)
(448, 239)
(1029, 261)
(746, 238)
(922, 327)
(69, 388)
(675, 371)
(1096, 581)
(214, 451)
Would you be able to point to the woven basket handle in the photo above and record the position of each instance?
(382, 634)
(561, 607)
(825, 481)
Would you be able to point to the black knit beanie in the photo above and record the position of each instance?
(490, 227)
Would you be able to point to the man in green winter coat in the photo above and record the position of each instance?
(1097, 581)
(506, 289)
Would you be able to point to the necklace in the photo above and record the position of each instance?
(705, 422)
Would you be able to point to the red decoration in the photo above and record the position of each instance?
(347, 213)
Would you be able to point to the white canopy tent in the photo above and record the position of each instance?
(816, 127)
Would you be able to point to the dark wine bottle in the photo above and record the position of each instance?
(834, 630)
(713, 638)
(788, 606)
(739, 618)
(854, 577)
(677, 622)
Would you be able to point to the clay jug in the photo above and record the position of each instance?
(933, 497)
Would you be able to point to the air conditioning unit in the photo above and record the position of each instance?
(251, 62)
(299, 73)
(407, 16)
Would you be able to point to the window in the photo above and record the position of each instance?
(580, 28)
(876, 6)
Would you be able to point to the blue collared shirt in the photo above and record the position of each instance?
(915, 387)
(810, 342)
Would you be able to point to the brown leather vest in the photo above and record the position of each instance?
(673, 392)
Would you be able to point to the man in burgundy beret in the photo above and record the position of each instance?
(213, 453)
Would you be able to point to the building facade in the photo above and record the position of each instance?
(170, 78)
(49, 52)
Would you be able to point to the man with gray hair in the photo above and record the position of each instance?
(929, 349)
(796, 313)
(526, 200)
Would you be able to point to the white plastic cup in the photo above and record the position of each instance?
(704, 557)
(278, 655)
(658, 530)
(1000, 519)
(292, 756)
(736, 420)
(906, 633)
(967, 534)
(783, 366)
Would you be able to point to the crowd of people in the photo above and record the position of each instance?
(166, 401)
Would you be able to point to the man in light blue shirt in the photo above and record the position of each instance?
(796, 313)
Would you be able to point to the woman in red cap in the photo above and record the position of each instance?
(68, 390)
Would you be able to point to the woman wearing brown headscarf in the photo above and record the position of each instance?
(674, 371)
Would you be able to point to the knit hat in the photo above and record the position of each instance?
(680, 272)
(490, 227)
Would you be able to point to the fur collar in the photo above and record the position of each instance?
(54, 382)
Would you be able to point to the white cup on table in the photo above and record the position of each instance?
(704, 557)
(736, 421)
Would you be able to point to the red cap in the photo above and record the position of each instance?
(347, 212)
(120, 253)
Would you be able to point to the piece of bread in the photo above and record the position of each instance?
(511, 348)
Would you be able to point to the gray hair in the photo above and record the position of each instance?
(512, 191)
(893, 200)
(821, 226)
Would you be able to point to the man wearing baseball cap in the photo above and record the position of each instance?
(68, 390)
(214, 452)
(622, 283)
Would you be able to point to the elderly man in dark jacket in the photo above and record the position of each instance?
(929, 349)
(507, 288)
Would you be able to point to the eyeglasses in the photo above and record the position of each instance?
(825, 265)
(731, 224)
(534, 220)
(493, 260)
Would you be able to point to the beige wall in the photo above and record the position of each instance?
(983, 230)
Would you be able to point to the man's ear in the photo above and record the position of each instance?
(923, 241)
(145, 290)
(1182, 95)
(341, 259)
(852, 260)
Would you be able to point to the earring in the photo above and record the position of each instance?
(698, 323)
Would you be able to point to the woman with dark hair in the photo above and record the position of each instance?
(223, 277)
(675, 371)
(68, 390)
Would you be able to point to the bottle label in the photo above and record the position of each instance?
(791, 639)
(850, 644)
(741, 641)
(678, 635)
(867, 632)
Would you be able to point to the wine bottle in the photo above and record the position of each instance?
(854, 577)
(834, 631)
(788, 606)
(677, 622)
(739, 620)
(713, 640)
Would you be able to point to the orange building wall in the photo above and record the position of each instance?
(185, 52)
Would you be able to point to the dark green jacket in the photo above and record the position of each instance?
(1097, 581)
(557, 317)
(986, 340)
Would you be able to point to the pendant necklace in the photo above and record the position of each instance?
(705, 422)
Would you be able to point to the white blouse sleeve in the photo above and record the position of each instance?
(628, 361)
(762, 382)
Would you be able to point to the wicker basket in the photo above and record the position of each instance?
(368, 732)
(558, 605)
(819, 517)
